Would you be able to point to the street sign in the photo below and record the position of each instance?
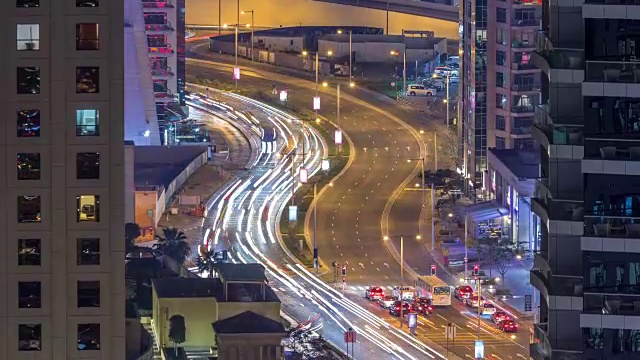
(479, 349)
(527, 303)
(236, 73)
(284, 95)
(412, 319)
(315, 259)
(304, 175)
(293, 213)
(338, 137)
(316, 103)
(325, 164)
(450, 331)
(349, 336)
(344, 270)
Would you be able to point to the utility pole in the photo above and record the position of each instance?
(435, 149)
(479, 304)
(338, 113)
(387, 29)
(448, 79)
(350, 57)
(466, 255)
(433, 225)
(315, 222)
(219, 17)
(404, 70)
(401, 278)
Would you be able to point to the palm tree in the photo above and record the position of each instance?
(206, 262)
(173, 243)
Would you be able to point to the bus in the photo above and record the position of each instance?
(432, 287)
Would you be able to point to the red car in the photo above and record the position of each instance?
(499, 316)
(395, 308)
(374, 293)
(463, 292)
(508, 326)
(422, 306)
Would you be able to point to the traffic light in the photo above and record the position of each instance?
(433, 270)
(344, 270)
(476, 270)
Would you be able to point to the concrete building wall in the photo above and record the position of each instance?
(273, 43)
(198, 313)
(54, 87)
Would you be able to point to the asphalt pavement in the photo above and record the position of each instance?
(349, 213)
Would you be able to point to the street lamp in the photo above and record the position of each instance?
(350, 56)
(433, 233)
(404, 67)
(236, 69)
(325, 84)
(387, 238)
(447, 99)
(247, 12)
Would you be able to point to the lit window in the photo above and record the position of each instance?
(28, 123)
(88, 251)
(28, 80)
(87, 3)
(29, 209)
(88, 208)
(27, 3)
(88, 337)
(87, 80)
(87, 123)
(28, 166)
(87, 166)
(87, 36)
(88, 294)
(29, 295)
(29, 337)
(28, 37)
(29, 253)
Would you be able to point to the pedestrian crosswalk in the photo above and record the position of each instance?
(363, 288)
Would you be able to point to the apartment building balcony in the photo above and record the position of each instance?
(612, 78)
(159, 28)
(520, 132)
(164, 96)
(519, 45)
(611, 233)
(520, 67)
(545, 348)
(563, 216)
(562, 64)
(162, 73)
(161, 50)
(525, 23)
(616, 307)
(146, 4)
(611, 155)
(525, 3)
(525, 88)
(523, 109)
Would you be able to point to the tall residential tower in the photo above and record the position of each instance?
(61, 101)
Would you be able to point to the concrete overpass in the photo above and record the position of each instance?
(411, 7)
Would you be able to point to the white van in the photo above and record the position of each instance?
(452, 61)
(420, 90)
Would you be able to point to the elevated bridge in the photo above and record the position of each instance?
(412, 7)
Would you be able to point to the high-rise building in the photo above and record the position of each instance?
(587, 268)
(472, 89)
(513, 82)
(61, 102)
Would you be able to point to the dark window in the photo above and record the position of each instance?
(87, 36)
(88, 336)
(87, 3)
(87, 166)
(29, 295)
(87, 80)
(28, 166)
(88, 208)
(501, 101)
(29, 253)
(87, 122)
(501, 58)
(500, 79)
(501, 15)
(88, 251)
(29, 337)
(28, 80)
(500, 142)
(28, 123)
(500, 122)
(88, 294)
(27, 3)
(29, 209)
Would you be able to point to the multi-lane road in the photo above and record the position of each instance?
(350, 213)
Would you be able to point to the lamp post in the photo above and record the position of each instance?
(325, 84)
(404, 68)
(317, 63)
(350, 54)
(422, 180)
(252, 27)
(236, 68)
(219, 17)
(387, 238)
(447, 99)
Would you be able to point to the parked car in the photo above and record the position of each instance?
(422, 306)
(374, 293)
(396, 308)
(508, 326)
(499, 316)
(463, 292)
(442, 70)
(434, 83)
(420, 90)
(386, 301)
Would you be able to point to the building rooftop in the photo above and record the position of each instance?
(248, 322)
(177, 287)
(523, 164)
(241, 272)
(157, 166)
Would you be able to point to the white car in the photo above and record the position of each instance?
(454, 79)
(386, 301)
(442, 70)
(420, 90)
(488, 309)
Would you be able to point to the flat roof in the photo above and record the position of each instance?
(525, 164)
(177, 287)
(241, 272)
(248, 322)
(159, 165)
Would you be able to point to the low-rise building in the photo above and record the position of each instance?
(238, 293)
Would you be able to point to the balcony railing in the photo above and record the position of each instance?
(525, 22)
(559, 57)
(162, 72)
(522, 109)
(521, 131)
(521, 66)
(522, 44)
(156, 5)
(525, 87)
(526, 2)
(161, 49)
(612, 226)
(159, 27)
(613, 152)
(613, 303)
(613, 71)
